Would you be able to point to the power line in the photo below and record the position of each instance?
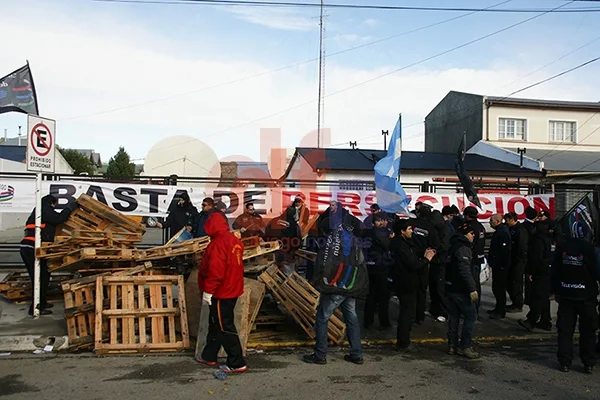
(283, 4)
(219, 85)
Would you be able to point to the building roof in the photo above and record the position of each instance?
(13, 153)
(365, 160)
(15, 141)
(92, 155)
(540, 103)
(566, 161)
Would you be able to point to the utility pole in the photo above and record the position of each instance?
(353, 145)
(385, 134)
(521, 151)
(321, 74)
(19, 135)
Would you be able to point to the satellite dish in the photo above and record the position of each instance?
(183, 156)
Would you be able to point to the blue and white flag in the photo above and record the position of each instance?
(390, 194)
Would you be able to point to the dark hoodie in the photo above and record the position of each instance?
(376, 245)
(180, 216)
(459, 278)
(341, 216)
(50, 220)
(541, 250)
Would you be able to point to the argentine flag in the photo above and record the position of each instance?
(390, 194)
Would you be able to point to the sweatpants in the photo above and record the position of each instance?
(222, 332)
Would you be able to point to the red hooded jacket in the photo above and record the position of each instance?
(221, 271)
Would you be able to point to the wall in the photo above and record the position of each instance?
(538, 128)
(457, 114)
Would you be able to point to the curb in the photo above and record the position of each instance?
(32, 343)
(380, 342)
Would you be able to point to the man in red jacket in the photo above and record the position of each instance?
(221, 281)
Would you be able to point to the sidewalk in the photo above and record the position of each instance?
(20, 332)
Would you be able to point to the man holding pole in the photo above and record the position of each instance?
(49, 220)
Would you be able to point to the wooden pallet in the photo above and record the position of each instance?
(258, 264)
(137, 324)
(17, 287)
(301, 300)
(264, 248)
(96, 216)
(192, 246)
(80, 258)
(307, 255)
(80, 307)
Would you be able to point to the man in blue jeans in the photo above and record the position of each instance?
(462, 293)
(341, 276)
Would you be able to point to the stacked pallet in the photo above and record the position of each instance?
(301, 300)
(16, 286)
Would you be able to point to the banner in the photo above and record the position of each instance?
(18, 196)
(17, 92)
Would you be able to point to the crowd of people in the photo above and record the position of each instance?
(437, 253)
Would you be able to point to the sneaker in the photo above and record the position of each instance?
(452, 351)
(42, 312)
(229, 370)
(441, 319)
(355, 360)
(385, 327)
(468, 352)
(199, 360)
(589, 369)
(514, 310)
(496, 315)
(525, 323)
(48, 305)
(564, 368)
(313, 359)
(411, 348)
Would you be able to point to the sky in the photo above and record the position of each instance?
(131, 75)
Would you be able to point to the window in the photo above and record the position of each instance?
(562, 131)
(356, 185)
(511, 129)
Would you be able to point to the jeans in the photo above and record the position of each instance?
(327, 305)
(461, 304)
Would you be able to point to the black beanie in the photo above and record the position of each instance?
(530, 213)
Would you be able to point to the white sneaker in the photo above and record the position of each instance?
(440, 319)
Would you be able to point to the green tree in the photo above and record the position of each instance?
(79, 162)
(120, 166)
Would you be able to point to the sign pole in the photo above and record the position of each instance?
(37, 285)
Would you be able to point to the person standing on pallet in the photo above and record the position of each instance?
(221, 282)
(341, 276)
(50, 220)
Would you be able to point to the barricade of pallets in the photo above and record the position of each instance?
(301, 300)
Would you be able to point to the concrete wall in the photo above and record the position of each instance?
(458, 113)
(537, 128)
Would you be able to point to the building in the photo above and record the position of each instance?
(352, 169)
(12, 159)
(94, 157)
(564, 135)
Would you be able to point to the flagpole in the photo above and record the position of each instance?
(400, 125)
(33, 88)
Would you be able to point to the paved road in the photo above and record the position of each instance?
(505, 372)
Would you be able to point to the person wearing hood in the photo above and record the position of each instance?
(519, 250)
(471, 217)
(341, 276)
(461, 290)
(499, 259)
(437, 274)
(575, 276)
(531, 217)
(376, 243)
(183, 214)
(375, 210)
(538, 274)
(50, 220)
(221, 282)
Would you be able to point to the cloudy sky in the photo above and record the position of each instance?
(132, 74)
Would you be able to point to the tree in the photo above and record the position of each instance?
(120, 166)
(79, 162)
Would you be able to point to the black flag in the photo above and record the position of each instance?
(465, 179)
(17, 92)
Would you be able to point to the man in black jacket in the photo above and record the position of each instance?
(184, 214)
(575, 276)
(462, 293)
(376, 243)
(405, 275)
(538, 274)
(470, 213)
(518, 262)
(531, 216)
(50, 220)
(438, 306)
(424, 237)
(499, 260)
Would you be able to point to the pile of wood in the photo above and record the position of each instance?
(301, 300)
(16, 286)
